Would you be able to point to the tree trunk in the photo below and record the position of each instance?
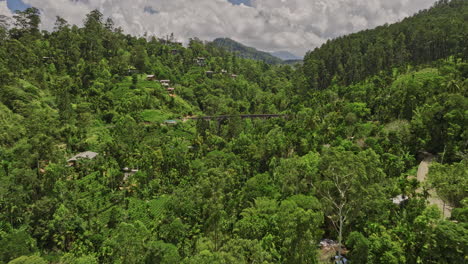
(340, 232)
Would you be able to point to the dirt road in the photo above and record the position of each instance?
(423, 170)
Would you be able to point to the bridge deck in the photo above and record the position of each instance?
(233, 116)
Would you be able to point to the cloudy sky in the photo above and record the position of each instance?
(272, 25)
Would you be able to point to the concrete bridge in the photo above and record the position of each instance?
(222, 117)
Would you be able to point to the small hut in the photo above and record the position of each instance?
(151, 77)
(128, 172)
(165, 83)
(200, 61)
(170, 90)
(234, 76)
(400, 199)
(209, 73)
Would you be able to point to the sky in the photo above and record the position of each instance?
(271, 25)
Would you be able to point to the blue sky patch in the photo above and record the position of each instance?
(150, 10)
(14, 5)
(238, 2)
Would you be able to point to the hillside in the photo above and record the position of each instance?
(122, 149)
(245, 51)
(431, 34)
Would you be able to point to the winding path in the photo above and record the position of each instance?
(433, 198)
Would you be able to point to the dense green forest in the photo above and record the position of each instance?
(159, 185)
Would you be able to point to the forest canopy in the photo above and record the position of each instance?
(123, 149)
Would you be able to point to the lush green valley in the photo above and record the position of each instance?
(158, 183)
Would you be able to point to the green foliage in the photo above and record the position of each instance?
(440, 125)
(415, 40)
(155, 116)
(71, 259)
(450, 181)
(359, 245)
(15, 244)
(28, 260)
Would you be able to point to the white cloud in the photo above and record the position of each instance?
(294, 25)
(4, 11)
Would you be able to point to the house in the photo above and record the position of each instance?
(165, 82)
(200, 61)
(209, 73)
(170, 90)
(83, 155)
(151, 77)
(233, 76)
(400, 199)
(223, 71)
(128, 172)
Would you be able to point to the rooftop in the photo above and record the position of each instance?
(399, 199)
(83, 155)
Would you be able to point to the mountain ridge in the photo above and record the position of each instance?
(246, 52)
(285, 55)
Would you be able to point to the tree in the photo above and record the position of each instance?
(140, 58)
(64, 97)
(297, 175)
(384, 248)
(451, 243)
(71, 259)
(350, 184)
(4, 23)
(359, 246)
(26, 23)
(258, 220)
(126, 244)
(60, 24)
(65, 42)
(28, 260)
(160, 252)
(450, 181)
(234, 190)
(299, 218)
(439, 125)
(16, 244)
(93, 33)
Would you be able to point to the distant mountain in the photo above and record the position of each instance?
(246, 52)
(293, 62)
(285, 55)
